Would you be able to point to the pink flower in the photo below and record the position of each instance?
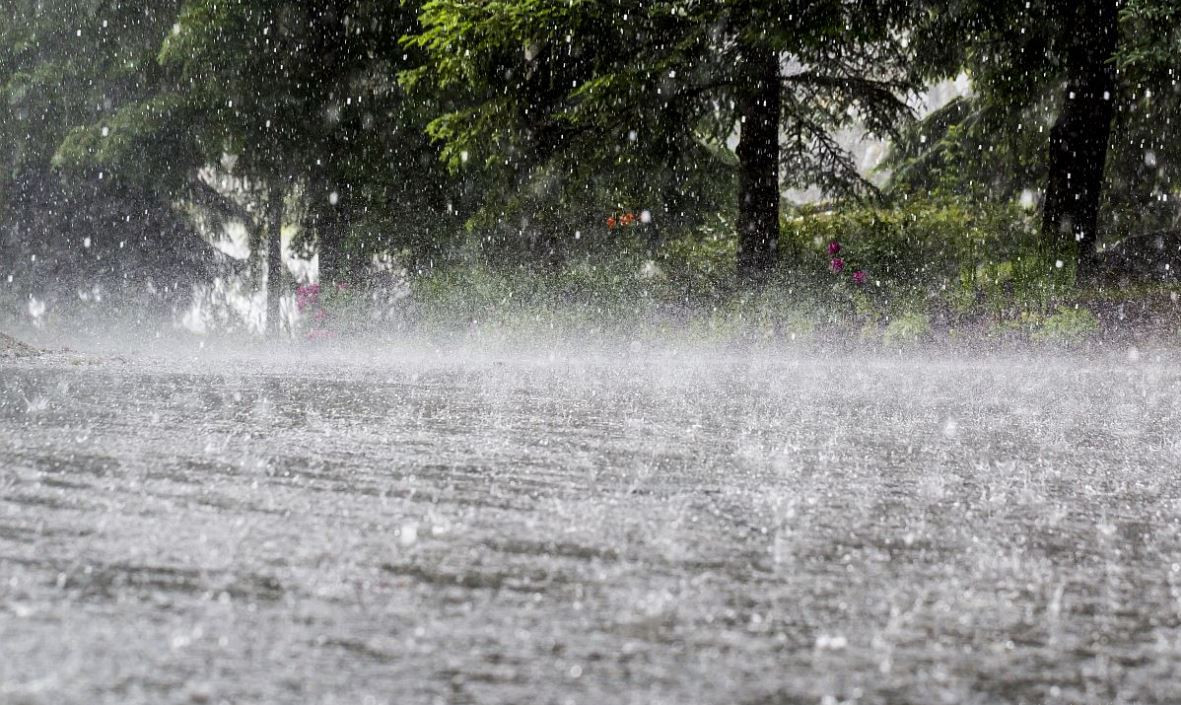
(306, 295)
(859, 277)
(838, 265)
(834, 248)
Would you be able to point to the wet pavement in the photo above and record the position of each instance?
(554, 528)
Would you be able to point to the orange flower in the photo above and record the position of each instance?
(627, 219)
(610, 222)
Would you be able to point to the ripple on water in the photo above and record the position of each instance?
(656, 530)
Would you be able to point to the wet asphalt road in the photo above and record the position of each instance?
(643, 528)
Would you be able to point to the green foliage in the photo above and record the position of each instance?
(116, 145)
(1153, 37)
(970, 148)
(1067, 325)
(590, 104)
(301, 96)
(1061, 325)
(1028, 283)
(500, 136)
(957, 261)
(907, 329)
(933, 268)
(993, 145)
(917, 243)
(64, 64)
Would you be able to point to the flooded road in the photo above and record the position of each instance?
(645, 528)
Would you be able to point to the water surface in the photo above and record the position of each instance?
(440, 527)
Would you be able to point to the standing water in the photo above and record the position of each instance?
(677, 527)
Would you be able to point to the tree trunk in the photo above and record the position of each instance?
(332, 229)
(1079, 138)
(330, 243)
(758, 165)
(274, 244)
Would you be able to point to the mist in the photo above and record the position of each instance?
(577, 353)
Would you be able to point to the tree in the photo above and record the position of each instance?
(1070, 100)
(64, 64)
(300, 101)
(1146, 151)
(1081, 133)
(304, 93)
(554, 86)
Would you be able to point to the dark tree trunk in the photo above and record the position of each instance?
(1079, 138)
(758, 165)
(331, 223)
(330, 243)
(274, 245)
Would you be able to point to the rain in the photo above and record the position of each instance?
(537, 351)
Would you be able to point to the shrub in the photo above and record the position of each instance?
(1067, 325)
(968, 260)
(907, 329)
(889, 272)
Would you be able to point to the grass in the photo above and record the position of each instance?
(934, 272)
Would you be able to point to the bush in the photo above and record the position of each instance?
(961, 260)
(924, 241)
(1067, 325)
(907, 329)
(904, 272)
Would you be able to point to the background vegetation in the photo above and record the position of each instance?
(456, 163)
